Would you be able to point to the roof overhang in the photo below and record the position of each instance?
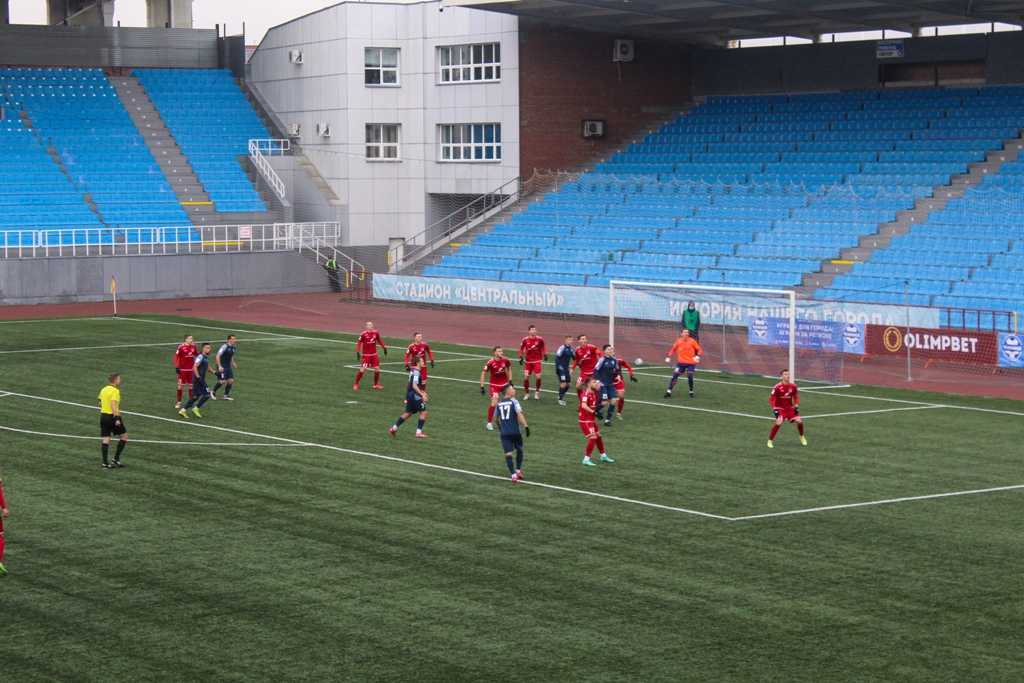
(715, 22)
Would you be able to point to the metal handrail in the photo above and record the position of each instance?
(164, 240)
(462, 219)
(259, 160)
(323, 253)
(399, 257)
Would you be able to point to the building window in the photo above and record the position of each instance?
(468, 63)
(380, 66)
(382, 141)
(470, 142)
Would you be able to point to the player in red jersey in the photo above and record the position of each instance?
(417, 349)
(532, 351)
(590, 400)
(785, 403)
(620, 387)
(3, 515)
(500, 370)
(366, 353)
(585, 359)
(184, 360)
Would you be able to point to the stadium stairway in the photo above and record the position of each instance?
(187, 188)
(923, 208)
(211, 121)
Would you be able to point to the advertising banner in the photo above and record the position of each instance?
(820, 335)
(715, 308)
(1011, 350)
(963, 346)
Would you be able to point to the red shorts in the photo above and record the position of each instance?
(619, 384)
(532, 367)
(788, 414)
(589, 428)
(496, 389)
(371, 361)
(186, 376)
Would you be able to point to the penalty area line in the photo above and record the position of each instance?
(150, 441)
(886, 501)
(392, 458)
(872, 412)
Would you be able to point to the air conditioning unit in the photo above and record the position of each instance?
(295, 130)
(593, 128)
(295, 56)
(625, 51)
(323, 129)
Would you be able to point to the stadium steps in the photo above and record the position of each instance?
(269, 121)
(162, 146)
(923, 208)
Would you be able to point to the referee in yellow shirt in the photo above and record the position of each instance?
(111, 422)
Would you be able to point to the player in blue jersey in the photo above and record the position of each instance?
(415, 399)
(510, 418)
(226, 367)
(200, 389)
(606, 371)
(563, 367)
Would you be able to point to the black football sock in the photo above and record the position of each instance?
(202, 399)
(689, 380)
(228, 388)
(105, 448)
(672, 382)
(419, 425)
(119, 450)
(217, 386)
(399, 421)
(509, 465)
(519, 458)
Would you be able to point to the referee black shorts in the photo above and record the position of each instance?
(111, 425)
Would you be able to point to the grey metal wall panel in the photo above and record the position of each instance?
(106, 46)
(157, 277)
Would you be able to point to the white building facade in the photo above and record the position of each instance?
(401, 106)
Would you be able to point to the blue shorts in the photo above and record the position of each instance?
(511, 442)
(564, 374)
(683, 367)
(608, 392)
(226, 374)
(415, 405)
(199, 387)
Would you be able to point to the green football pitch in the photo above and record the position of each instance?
(286, 536)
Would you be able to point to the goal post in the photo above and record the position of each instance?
(745, 330)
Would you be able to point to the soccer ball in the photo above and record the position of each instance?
(638, 361)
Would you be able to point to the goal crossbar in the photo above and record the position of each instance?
(788, 294)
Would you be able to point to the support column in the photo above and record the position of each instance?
(169, 13)
(5, 12)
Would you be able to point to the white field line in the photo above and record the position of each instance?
(162, 443)
(52, 320)
(125, 346)
(873, 412)
(391, 458)
(887, 501)
(4, 393)
(632, 400)
(920, 403)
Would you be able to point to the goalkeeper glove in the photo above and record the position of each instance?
(776, 412)
(385, 350)
(482, 391)
(527, 429)
(545, 358)
(408, 369)
(520, 360)
(357, 355)
(796, 410)
(633, 379)
(431, 362)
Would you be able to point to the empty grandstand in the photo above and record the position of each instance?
(759, 191)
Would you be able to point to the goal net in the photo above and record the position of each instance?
(743, 330)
